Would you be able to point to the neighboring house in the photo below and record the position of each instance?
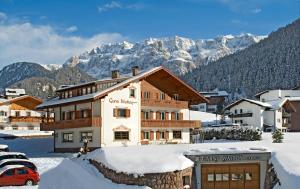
(19, 113)
(265, 116)
(148, 107)
(293, 96)
(216, 99)
(13, 93)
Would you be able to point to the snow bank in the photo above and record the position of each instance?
(24, 133)
(142, 159)
(78, 174)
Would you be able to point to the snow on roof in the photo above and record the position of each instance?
(8, 160)
(226, 151)
(294, 98)
(276, 104)
(3, 146)
(7, 167)
(259, 103)
(14, 92)
(57, 101)
(11, 153)
(141, 159)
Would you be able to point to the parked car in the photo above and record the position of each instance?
(17, 175)
(12, 155)
(4, 148)
(23, 162)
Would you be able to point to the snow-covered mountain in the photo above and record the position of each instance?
(179, 54)
(51, 67)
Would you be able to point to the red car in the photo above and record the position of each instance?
(17, 175)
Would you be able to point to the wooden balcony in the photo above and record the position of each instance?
(27, 119)
(171, 123)
(69, 124)
(165, 103)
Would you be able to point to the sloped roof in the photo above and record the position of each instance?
(258, 103)
(100, 94)
(9, 101)
(261, 93)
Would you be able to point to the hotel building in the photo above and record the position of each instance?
(151, 107)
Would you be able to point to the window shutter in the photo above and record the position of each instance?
(158, 115)
(151, 135)
(157, 135)
(151, 115)
(115, 112)
(127, 112)
(167, 116)
(167, 135)
(180, 116)
(142, 115)
(173, 116)
(142, 135)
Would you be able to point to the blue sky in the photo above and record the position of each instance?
(51, 31)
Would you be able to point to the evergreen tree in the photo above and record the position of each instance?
(277, 136)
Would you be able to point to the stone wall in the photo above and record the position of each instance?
(168, 180)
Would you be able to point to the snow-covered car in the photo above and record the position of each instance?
(4, 148)
(23, 162)
(17, 175)
(12, 155)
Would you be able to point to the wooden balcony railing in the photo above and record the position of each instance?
(165, 103)
(28, 119)
(74, 123)
(171, 123)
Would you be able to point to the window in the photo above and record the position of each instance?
(67, 137)
(15, 127)
(79, 92)
(162, 96)
(218, 177)
(93, 89)
(28, 114)
(177, 134)
(186, 181)
(278, 120)
(146, 115)
(30, 127)
(70, 94)
(66, 94)
(210, 177)
(70, 115)
(88, 90)
(177, 115)
(9, 172)
(3, 113)
(162, 135)
(132, 93)
(86, 135)
(1, 127)
(235, 111)
(17, 113)
(147, 135)
(22, 172)
(146, 95)
(162, 115)
(84, 113)
(176, 96)
(121, 112)
(84, 91)
(236, 177)
(121, 135)
(225, 177)
(248, 176)
(241, 111)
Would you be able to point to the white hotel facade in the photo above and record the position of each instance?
(146, 108)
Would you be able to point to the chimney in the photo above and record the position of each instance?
(115, 74)
(135, 70)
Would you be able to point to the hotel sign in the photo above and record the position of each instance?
(223, 158)
(121, 101)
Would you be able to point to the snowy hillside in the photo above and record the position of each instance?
(177, 53)
(51, 67)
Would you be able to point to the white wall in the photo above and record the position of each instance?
(257, 114)
(109, 122)
(275, 94)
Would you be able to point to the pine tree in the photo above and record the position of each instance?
(277, 136)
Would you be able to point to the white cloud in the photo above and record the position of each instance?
(42, 44)
(257, 10)
(72, 29)
(118, 5)
(244, 6)
(3, 17)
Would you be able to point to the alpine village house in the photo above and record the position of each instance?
(150, 107)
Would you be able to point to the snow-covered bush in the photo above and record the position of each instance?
(277, 136)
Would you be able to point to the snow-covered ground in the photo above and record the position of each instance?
(65, 171)
(24, 133)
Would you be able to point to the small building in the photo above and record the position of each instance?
(266, 116)
(230, 169)
(271, 96)
(19, 113)
(216, 98)
(13, 93)
(150, 107)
